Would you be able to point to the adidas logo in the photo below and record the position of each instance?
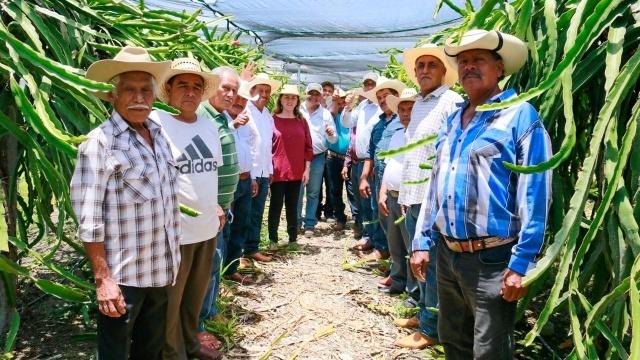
(196, 158)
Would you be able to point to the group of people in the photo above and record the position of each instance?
(423, 170)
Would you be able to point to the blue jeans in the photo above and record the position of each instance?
(351, 196)
(252, 245)
(209, 308)
(241, 209)
(335, 185)
(379, 239)
(429, 289)
(313, 190)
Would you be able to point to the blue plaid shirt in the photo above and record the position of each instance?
(473, 195)
(381, 135)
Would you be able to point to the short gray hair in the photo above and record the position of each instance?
(226, 70)
(116, 80)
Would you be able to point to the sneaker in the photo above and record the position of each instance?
(330, 220)
(309, 233)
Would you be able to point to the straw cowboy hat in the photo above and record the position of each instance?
(263, 79)
(408, 94)
(290, 89)
(384, 83)
(188, 65)
(244, 91)
(512, 50)
(339, 92)
(129, 58)
(411, 55)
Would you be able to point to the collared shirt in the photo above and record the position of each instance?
(380, 137)
(262, 122)
(344, 137)
(246, 141)
(125, 195)
(228, 171)
(472, 194)
(393, 170)
(428, 116)
(318, 121)
(364, 117)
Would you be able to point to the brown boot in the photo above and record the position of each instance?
(416, 341)
(245, 263)
(410, 323)
(363, 245)
(239, 278)
(385, 282)
(207, 353)
(261, 257)
(207, 339)
(376, 255)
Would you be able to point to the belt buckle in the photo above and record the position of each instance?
(470, 242)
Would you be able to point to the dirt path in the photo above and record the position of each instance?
(307, 305)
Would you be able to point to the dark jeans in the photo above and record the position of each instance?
(479, 322)
(379, 239)
(241, 209)
(427, 291)
(252, 245)
(353, 204)
(396, 235)
(140, 332)
(364, 205)
(335, 185)
(324, 194)
(284, 193)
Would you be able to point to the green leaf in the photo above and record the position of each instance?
(12, 333)
(60, 291)
(7, 265)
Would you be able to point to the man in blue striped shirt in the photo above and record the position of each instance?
(487, 221)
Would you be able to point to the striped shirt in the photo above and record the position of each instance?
(428, 116)
(228, 173)
(125, 195)
(473, 195)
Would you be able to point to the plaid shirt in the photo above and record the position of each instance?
(124, 195)
(427, 118)
(472, 194)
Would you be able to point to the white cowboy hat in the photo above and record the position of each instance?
(188, 65)
(411, 55)
(384, 83)
(408, 94)
(263, 79)
(313, 87)
(290, 89)
(130, 58)
(339, 92)
(512, 50)
(244, 91)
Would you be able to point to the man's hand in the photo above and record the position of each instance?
(270, 179)
(418, 263)
(348, 101)
(403, 210)
(254, 188)
(305, 177)
(345, 173)
(329, 131)
(241, 120)
(365, 189)
(512, 289)
(221, 217)
(247, 72)
(110, 300)
(382, 204)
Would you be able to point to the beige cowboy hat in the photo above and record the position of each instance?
(412, 55)
(189, 65)
(339, 92)
(129, 58)
(290, 89)
(408, 94)
(512, 50)
(263, 79)
(384, 83)
(244, 91)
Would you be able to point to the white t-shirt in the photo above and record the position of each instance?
(197, 152)
(393, 171)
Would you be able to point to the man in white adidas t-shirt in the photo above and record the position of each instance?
(195, 145)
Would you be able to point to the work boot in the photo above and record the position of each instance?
(410, 323)
(416, 341)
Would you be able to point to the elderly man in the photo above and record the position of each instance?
(429, 69)
(370, 180)
(361, 114)
(260, 118)
(195, 144)
(322, 131)
(124, 194)
(487, 221)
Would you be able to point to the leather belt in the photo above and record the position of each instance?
(394, 193)
(473, 245)
(245, 175)
(335, 155)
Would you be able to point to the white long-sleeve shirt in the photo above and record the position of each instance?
(318, 122)
(262, 121)
(246, 139)
(364, 117)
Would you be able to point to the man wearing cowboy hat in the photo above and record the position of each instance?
(261, 119)
(427, 66)
(487, 221)
(124, 182)
(195, 144)
(370, 180)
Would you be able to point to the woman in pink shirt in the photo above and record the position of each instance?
(292, 155)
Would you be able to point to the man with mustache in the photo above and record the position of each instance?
(195, 144)
(429, 69)
(124, 194)
(487, 221)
